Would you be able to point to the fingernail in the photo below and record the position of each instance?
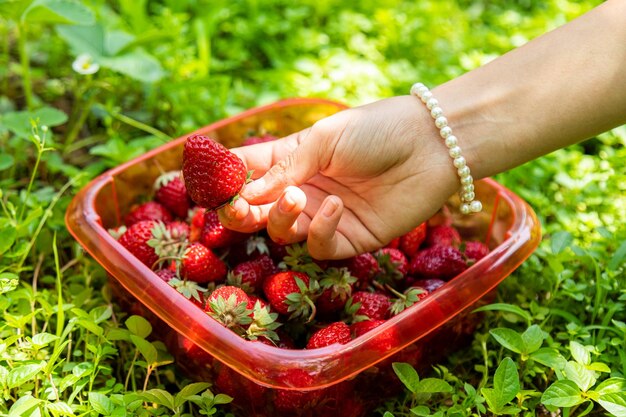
(330, 207)
(286, 203)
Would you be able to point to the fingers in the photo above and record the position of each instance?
(285, 223)
(324, 242)
(243, 217)
(294, 168)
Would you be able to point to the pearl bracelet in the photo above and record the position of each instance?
(466, 193)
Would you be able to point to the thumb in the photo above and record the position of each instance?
(302, 163)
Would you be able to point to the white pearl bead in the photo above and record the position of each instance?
(451, 141)
(476, 206)
(460, 161)
(432, 103)
(441, 122)
(469, 196)
(455, 152)
(467, 180)
(469, 188)
(465, 208)
(445, 132)
(421, 90)
(464, 172)
(436, 112)
(415, 86)
(426, 96)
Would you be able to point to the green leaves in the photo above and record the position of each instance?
(409, 377)
(505, 387)
(20, 122)
(562, 394)
(524, 344)
(47, 11)
(108, 48)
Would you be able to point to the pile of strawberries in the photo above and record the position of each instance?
(272, 293)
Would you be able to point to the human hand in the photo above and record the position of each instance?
(350, 183)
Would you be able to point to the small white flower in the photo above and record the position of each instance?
(84, 64)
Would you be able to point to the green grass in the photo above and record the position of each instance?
(558, 331)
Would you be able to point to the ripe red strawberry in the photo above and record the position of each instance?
(411, 242)
(136, 238)
(383, 342)
(213, 174)
(253, 140)
(229, 382)
(196, 224)
(441, 262)
(292, 293)
(277, 251)
(170, 190)
(148, 211)
(443, 235)
(405, 300)
(475, 251)
(201, 265)
(284, 341)
(336, 286)
(249, 275)
(215, 235)
(393, 264)
(249, 249)
(364, 267)
(193, 353)
(166, 274)
(337, 332)
(230, 306)
(178, 230)
(293, 400)
(370, 305)
(430, 285)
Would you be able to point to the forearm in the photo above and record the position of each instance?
(558, 89)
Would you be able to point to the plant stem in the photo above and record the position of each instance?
(26, 82)
(140, 125)
(78, 123)
(60, 312)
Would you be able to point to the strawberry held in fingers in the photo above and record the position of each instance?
(213, 175)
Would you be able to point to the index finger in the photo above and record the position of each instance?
(262, 156)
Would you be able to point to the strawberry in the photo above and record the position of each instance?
(393, 264)
(443, 235)
(215, 235)
(292, 292)
(475, 251)
(230, 306)
(190, 290)
(213, 174)
(170, 190)
(136, 238)
(201, 265)
(277, 251)
(368, 305)
(441, 262)
(166, 274)
(263, 323)
(405, 300)
(253, 140)
(297, 401)
(249, 275)
(284, 341)
(196, 224)
(251, 248)
(382, 342)
(178, 230)
(364, 267)
(336, 289)
(411, 242)
(430, 285)
(229, 382)
(193, 353)
(337, 332)
(148, 211)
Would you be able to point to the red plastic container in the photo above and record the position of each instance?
(340, 380)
